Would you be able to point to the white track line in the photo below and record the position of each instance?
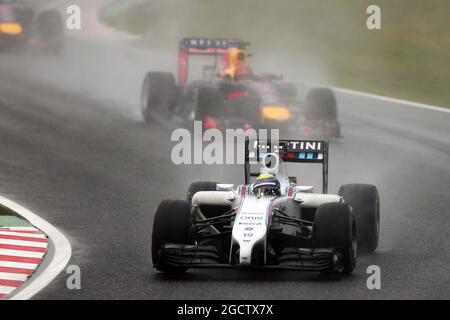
(393, 100)
(62, 254)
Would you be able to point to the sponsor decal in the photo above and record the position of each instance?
(256, 224)
(246, 217)
(252, 213)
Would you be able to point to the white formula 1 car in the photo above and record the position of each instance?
(270, 221)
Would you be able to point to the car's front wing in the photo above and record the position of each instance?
(195, 256)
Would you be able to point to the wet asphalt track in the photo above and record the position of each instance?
(74, 150)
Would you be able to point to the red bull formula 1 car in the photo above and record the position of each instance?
(270, 222)
(230, 95)
(21, 25)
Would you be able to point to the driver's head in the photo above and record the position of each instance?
(237, 56)
(267, 185)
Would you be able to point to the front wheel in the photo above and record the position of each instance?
(171, 225)
(365, 201)
(158, 96)
(335, 227)
(320, 105)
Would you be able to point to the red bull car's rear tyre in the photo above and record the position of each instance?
(335, 227)
(365, 201)
(158, 96)
(321, 105)
(171, 225)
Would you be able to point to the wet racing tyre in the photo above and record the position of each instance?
(170, 225)
(365, 201)
(335, 227)
(158, 96)
(321, 105)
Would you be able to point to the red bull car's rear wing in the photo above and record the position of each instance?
(298, 151)
(202, 46)
(205, 46)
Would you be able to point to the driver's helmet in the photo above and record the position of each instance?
(266, 185)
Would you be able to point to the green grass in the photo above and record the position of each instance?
(323, 40)
(9, 219)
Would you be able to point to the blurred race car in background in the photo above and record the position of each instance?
(270, 222)
(230, 95)
(22, 26)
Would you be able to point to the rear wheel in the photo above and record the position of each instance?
(171, 225)
(365, 201)
(158, 96)
(321, 105)
(335, 227)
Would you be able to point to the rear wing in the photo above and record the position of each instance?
(203, 46)
(297, 151)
